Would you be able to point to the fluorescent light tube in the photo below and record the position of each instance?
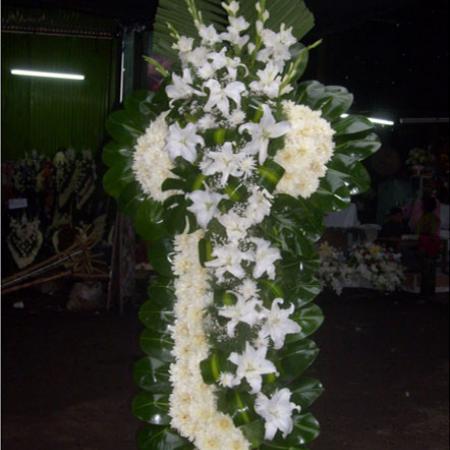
(41, 74)
(376, 120)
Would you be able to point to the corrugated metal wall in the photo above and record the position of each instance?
(47, 114)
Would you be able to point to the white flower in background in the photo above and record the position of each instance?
(224, 161)
(277, 412)
(252, 365)
(259, 205)
(151, 163)
(209, 35)
(262, 132)
(204, 206)
(265, 257)
(181, 87)
(308, 148)
(228, 380)
(245, 311)
(278, 325)
(219, 97)
(269, 81)
(236, 226)
(229, 259)
(183, 142)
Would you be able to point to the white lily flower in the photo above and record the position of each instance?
(252, 365)
(219, 60)
(278, 325)
(183, 142)
(204, 206)
(229, 259)
(262, 132)
(245, 311)
(209, 35)
(277, 46)
(235, 225)
(219, 96)
(181, 87)
(225, 162)
(265, 257)
(269, 81)
(277, 412)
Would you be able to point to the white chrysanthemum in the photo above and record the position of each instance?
(151, 163)
(308, 148)
(193, 406)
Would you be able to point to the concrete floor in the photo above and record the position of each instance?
(67, 380)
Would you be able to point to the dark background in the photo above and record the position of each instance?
(393, 54)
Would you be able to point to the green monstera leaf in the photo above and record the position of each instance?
(152, 408)
(161, 438)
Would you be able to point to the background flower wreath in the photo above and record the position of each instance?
(294, 225)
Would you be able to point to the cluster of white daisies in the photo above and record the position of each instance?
(231, 83)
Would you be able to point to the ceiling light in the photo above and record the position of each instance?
(41, 74)
(376, 120)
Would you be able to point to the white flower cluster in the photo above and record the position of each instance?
(334, 271)
(308, 148)
(377, 265)
(193, 407)
(151, 163)
(228, 99)
(369, 263)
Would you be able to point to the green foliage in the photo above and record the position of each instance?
(161, 438)
(293, 13)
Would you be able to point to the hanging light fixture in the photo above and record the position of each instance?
(43, 74)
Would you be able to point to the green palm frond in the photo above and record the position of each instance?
(293, 13)
(175, 13)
